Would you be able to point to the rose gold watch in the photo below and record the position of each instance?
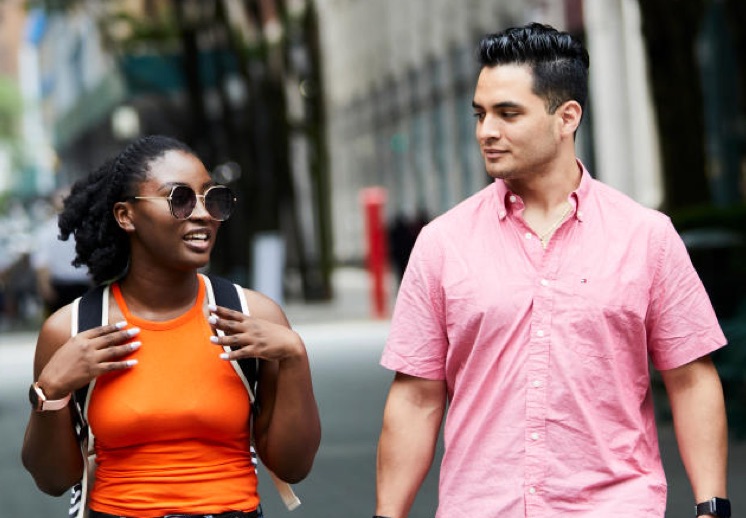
(40, 403)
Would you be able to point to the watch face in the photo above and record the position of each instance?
(33, 397)
(719, 507)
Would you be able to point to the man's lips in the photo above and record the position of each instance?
(494, 153)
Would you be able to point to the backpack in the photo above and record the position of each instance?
(92, 310)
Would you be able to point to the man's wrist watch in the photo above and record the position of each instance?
(719, 507)
(40, 403)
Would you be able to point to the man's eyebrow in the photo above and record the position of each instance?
(498, 106)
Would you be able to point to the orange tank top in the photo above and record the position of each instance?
(172, 433)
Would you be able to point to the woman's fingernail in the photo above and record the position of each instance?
(214, 339)
(121, 325)
(212, 319)
(133, 331)
(224, 356)
(131, 363)
(135, 345)
(212, 307)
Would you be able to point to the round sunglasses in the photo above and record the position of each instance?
(219, 201)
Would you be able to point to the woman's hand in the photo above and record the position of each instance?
(86, 356)
(253, 337)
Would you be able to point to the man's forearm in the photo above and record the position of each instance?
(700, 423)
(406, 449)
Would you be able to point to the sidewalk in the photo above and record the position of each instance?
(351, 300)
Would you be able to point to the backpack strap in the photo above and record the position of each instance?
(223, 292)
(89, 311)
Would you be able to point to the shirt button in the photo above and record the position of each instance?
(539, 333)
(502, 214)
(580, 214)
(544, 282)
(534, 436)
(536, 383)
(532, 490)
(512, 198)
(528, 235)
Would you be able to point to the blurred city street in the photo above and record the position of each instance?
(344, 345)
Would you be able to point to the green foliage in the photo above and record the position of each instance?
(10, 109)
(128, 32)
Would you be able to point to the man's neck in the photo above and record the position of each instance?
(543, 193)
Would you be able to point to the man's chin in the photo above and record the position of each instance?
(500, 174)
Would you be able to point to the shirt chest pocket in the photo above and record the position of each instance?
(605, 316)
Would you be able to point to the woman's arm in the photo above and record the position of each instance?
(61, 365)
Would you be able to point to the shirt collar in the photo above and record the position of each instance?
(579, 195)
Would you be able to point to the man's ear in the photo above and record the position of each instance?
(123, 216)
(570, 113)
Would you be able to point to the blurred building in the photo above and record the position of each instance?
(12, 15)
(397, 85)
(399, 78)
(80, 86)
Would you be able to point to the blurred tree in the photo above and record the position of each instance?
(236, 68)
(670, 30)
(10, 117)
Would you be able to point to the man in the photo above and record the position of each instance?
(532, 309)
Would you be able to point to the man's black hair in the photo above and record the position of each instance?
(558, 61)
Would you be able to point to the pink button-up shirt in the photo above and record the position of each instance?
(545, 353)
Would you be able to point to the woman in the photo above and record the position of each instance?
(169, 414)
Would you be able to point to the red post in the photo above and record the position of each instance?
(373, 200)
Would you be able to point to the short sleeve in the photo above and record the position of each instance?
(417, 343)
(681, 322)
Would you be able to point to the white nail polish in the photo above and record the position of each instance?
(133, 331)
(212, 307)
(212, 319)
(121, 325)
(214, 339)
(224, 356)
(131, 363)
(135, 345)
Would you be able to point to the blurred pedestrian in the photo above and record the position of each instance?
(531, 310)
(58, 281)
(169, 414)
(403, 233)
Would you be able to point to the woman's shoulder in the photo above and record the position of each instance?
(55, 331)
(262, 306)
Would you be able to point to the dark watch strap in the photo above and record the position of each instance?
(719, 507)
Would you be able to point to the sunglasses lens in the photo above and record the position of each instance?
(183, 201)
(219, 202)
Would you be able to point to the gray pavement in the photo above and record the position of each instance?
(344, 344)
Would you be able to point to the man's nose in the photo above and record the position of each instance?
(488, 129)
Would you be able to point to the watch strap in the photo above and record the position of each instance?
(719, 507)
(49, 405)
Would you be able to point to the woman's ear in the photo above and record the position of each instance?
(123, 216)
